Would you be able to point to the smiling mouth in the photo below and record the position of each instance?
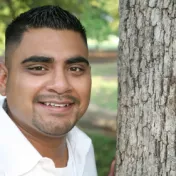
(59, 105)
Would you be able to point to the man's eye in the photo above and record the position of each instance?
(38, 68)
(76, 69)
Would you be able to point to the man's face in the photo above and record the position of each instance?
(49, 81)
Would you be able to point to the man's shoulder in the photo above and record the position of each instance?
(77, 135)
(79, 140)
(82, 150)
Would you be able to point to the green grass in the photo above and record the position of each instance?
(104, 85)
(104, 93)
(104, 69)
(105, 148)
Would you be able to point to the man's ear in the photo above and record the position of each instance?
(3, 78)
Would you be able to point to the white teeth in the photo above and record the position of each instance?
(57, 105)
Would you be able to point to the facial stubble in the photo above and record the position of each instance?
(55, 125)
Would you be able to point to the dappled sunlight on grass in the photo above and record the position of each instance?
(104, 92)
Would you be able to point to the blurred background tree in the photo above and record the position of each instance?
(100, 17)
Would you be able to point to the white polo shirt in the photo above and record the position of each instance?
(19, 158)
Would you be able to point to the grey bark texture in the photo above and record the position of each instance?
(146, 120)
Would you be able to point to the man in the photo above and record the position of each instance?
(47, 82)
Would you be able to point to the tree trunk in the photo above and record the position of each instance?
(146, 123)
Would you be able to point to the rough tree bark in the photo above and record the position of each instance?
(146, 123)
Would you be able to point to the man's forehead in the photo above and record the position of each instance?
(49, 33)
(60, 39)
(55, 43)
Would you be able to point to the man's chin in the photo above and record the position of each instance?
(55, 134)
(54, 131)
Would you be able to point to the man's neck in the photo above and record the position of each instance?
(53, 148)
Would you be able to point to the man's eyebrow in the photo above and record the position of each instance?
(38, 59)
(77, 60)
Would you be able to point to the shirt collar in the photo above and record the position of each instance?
(80, 145)
(17, 155)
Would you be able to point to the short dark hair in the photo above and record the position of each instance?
(48, 16)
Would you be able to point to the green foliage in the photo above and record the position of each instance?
(111, 7)
(105, 147)
(94, 22)
(100, 18)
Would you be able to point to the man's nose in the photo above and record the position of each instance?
(59, 83)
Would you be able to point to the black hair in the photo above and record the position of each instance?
(48, 16)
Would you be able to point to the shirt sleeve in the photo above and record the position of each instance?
(90, 165)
